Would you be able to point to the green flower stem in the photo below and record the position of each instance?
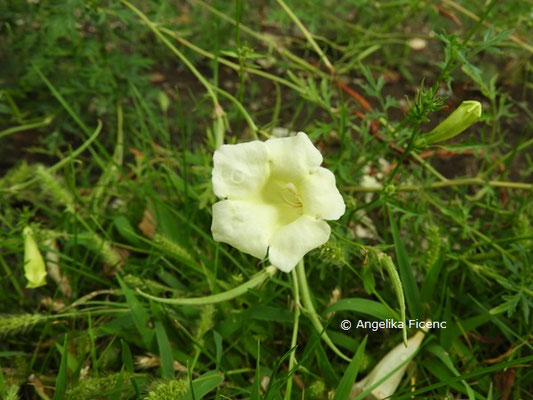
(439, 206)
(429, 167)
(58, 165)
(256, 280)
(268, 39)
(451, 182)
(423, 162)
(219, 113)
(292, 358)
(46, 121)
(312, 314)
(12, 277)
(510, 154)
(243, 111)
(230, 64)
(110, 173)
(307, 35)
(473, 16)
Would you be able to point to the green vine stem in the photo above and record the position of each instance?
(256, 280)
(26, 127)
(311, 312)
(292, 358)
(218, 111)
(448, 183)
(58, 165)
(307, 35)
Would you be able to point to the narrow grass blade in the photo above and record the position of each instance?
(217, 337)
(345, 385)
(325, 366)
(165, 351)
(257, 377)
(116, 392)
(62, 379)
(203, 385)
(445, 358)
(362, 306)
(139, 315)
(273, 390)
(473, 374)
(127, 360)
(430, 281)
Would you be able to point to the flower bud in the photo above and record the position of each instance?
(34, 267)
(461, 119)
(390, 362)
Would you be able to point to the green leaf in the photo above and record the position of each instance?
(362, 306)
(139, 315)
(430, 281)
(473, 374)
(165, 351)
(217, 337)
(62, 379)
(116, 392)
(127, 360)
(369, 282)
(345, 385)
(445, 358)
(203, 385)
(126, 231)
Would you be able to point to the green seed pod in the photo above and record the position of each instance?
(461, 119)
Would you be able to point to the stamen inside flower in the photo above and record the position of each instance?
(285, 198)
(290, 195)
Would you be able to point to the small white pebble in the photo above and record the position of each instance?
(417, 44)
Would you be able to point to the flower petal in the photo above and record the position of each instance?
(240, 170)
(320, 196)
(293, 157)
(245, 225)
(291, 242)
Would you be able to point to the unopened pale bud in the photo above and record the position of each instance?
(34, 267)
(458, 121)
(390, 362)
(164, 101)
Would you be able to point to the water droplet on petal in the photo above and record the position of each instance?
(237, 176)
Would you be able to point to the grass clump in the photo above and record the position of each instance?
(167, 390)
(99, 387)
